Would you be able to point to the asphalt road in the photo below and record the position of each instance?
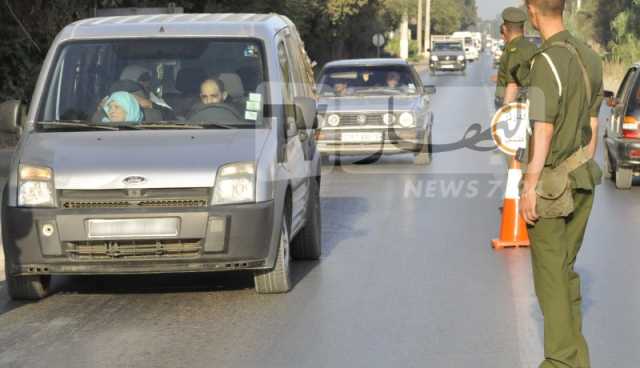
(407, 279)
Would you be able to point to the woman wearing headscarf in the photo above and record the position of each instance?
(122, 107)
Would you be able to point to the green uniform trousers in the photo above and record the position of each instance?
(554, 247)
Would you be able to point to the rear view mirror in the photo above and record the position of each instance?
(306, 112)
(12, 115)
(430, 90)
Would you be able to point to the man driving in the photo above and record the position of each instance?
(212, 92)
(393, 79)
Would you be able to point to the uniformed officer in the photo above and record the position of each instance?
(515, 58)
(565, 96)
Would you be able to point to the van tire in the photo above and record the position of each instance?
(624, 178)
(307, 245)
(33, 287)
(278, 279)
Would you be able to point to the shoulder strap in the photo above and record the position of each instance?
(572, 49)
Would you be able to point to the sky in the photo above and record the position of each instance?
(489, 9)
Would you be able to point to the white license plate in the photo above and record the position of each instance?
(447, 66)
(133, 228)
(361, 137)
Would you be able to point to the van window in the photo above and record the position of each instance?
(198, 81)
(287, 75)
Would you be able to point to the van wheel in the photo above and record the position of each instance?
(307, 245)
(608, 173)
(624, 178)
(278, 279)
(33, 287)
(423, 157)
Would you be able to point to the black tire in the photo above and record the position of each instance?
(624, 178)
(33, 287)
(307, 245)
(607, 167)
(423, 158)
(278, 279)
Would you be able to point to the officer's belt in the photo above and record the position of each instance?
(577, 159)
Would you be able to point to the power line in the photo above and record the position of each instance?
(13, 14)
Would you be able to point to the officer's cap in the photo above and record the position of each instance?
(514, 15)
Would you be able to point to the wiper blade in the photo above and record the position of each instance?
(187, 125)
(170, 125)
(76, 124)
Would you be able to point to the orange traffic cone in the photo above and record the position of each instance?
(513, 229)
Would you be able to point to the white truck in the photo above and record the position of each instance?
(471, 49)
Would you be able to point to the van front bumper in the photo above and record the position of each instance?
(220, 238)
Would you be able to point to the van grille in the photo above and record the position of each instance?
(141, 198)
(133, 249)
(134, 204)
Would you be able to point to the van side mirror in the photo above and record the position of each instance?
(428, 50)
(430, 90)
(306, 113)
(12, 116)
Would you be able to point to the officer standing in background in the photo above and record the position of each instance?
(565, 95)
(515, 58)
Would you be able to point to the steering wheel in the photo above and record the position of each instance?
(219, 112)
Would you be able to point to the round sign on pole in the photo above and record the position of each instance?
(378, 40)
(509, 128)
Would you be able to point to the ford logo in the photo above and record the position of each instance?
(134, 180)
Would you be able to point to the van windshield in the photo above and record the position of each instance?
(447, 46)
(204, 83)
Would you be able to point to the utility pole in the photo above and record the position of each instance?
(419, 23)
(427, 26)
(404, 35)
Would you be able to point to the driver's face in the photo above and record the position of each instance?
(340, 87)
(210, 93)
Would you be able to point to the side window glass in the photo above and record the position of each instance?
(287, 88)
(633, 107)
(297, 67)
(624, 86)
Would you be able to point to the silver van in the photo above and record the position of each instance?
(165, 144)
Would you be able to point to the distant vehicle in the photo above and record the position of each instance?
(622, 134)
(447, 54)
(472, 50)
(372, 107)
(110, 186)
(497, 54)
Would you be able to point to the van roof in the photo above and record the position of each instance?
(177, 25)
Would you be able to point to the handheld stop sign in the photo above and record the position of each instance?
(510, 126)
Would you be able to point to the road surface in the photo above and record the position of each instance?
(407, 279)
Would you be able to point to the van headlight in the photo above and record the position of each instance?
(460, 58)
(235, 183)
(35, 187)
(407, 120)
(434, 58)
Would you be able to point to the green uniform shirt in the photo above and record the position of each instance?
(558, 95)
(515, 59)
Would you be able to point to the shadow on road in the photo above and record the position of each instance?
(338, 221)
